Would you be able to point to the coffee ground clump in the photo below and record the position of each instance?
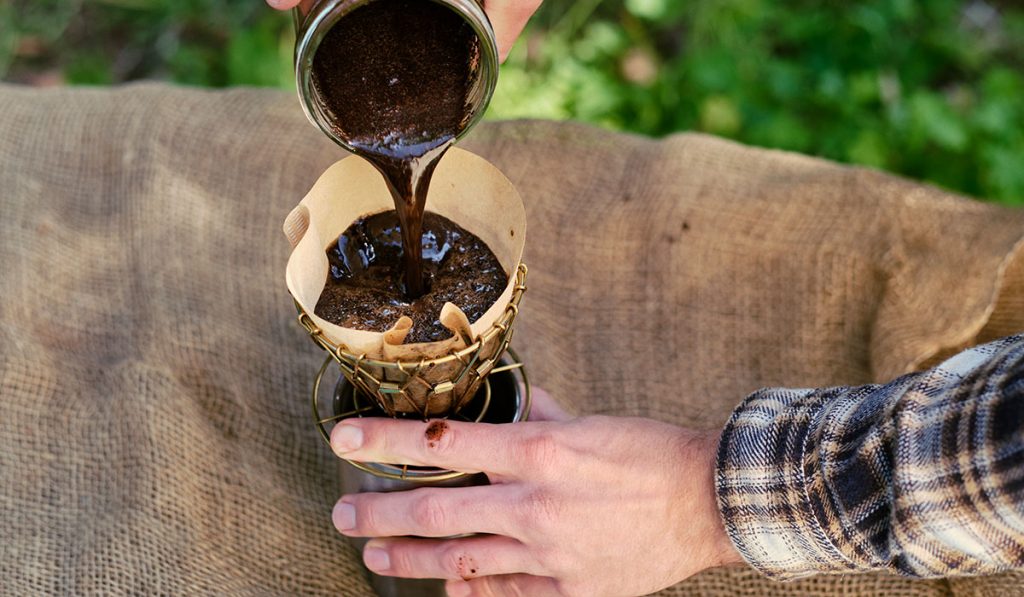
(396, 74)
(365, 288)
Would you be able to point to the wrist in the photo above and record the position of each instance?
(723, 551)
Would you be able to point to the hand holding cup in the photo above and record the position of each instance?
(589, 506)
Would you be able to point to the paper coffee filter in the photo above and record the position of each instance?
(465, 189)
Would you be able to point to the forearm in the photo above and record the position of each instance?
(923, 476)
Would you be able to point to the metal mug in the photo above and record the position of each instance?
(508, 401)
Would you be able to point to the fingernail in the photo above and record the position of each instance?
(344, 516)
(458, 589)
(346, 438)
(376, 559)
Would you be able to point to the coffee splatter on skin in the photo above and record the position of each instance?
(435, 431)
(466, 567)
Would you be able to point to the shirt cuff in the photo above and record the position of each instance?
(763, 491)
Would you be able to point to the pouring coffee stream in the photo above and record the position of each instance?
(395, 79)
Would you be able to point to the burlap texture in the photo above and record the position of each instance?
(155, 433)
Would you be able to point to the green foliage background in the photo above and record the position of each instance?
(932, 89)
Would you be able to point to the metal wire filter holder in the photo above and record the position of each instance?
(457, 375)
(512, 399)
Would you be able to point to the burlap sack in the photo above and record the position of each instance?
(155, 433)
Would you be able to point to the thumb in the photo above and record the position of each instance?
(283, 4)
(508, 17)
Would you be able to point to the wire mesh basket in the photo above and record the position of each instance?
(426, 388)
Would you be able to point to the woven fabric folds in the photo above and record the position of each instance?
(155, 431)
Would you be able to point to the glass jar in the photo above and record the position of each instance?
(313, 19)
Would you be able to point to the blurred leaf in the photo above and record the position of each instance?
(600, 40)
(196, 65)
(9, 37)
(46, 18)
(831, 85)
(1003, 82)
(869, 148)
(719, 115)
(937, 122)
(863, 87)
(88, 69)
(781, 131)
(785, 80)
(254, 58)
(713, 70)
(998, 117)
(649, 9)
(1005, 173)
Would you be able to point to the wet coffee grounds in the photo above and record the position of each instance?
(365, 286)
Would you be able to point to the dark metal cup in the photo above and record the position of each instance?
(504, 398)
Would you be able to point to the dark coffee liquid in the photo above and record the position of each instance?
(364, 289)
(395, 76)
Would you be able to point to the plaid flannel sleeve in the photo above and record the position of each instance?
(923, 476)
